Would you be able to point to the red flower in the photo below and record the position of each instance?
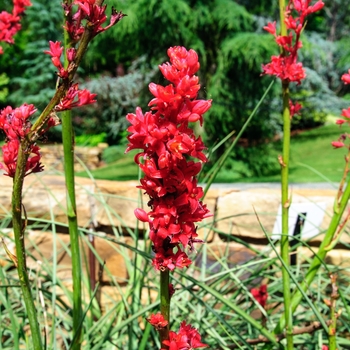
(75, 98)
(346, 113)
(95, 15)
(187, 338)
(346, 78)
(55, 49)
(271, 28)
(15, 122)
(9, 22)
(338, 144)
(294, 108)
(157, 321)
(340, 121)
(260, 294)
(10, 154)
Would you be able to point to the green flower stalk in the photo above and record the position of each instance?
(166, 144)
(22, 157)
(288, 69)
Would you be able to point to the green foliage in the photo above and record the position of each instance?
(228, 36)
(90, 140)
(113, 153)
(116, 97)
(4, 80)
(33, 76)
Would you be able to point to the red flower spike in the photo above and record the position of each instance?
(94, 14)
(16, 125)
(285, 66)
(167, 143)
(260, 294)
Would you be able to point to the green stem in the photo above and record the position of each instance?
(164, 303)
(68, 151)
(321, 254)
(333, 314)
(18, 229)
(285, 201)
(285, 210)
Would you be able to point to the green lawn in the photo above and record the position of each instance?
(312, 160)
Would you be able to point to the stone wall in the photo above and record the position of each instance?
(105, 205)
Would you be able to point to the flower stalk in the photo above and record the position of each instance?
(21, 154)
(68, 152)
(19, 226)
(287, 68)
(332, 330)
(166, 144)
(285, 202)
(164, 303)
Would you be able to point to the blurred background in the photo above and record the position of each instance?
(231, 45)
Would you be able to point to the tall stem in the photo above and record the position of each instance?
(285, 211)
(164, 304)
(68, 151)
(285, 200)
(18, 229)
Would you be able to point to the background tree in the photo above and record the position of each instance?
(232, 45)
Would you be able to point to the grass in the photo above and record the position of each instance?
(122, 170)
(312, 160)
(217, 300)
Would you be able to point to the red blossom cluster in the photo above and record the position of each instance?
(9, 22)
(93, 13)
(16, 125)
(260, 294)
(170, 177)
(187, 338)
(286, 65)
(346, 114)
(157, 321)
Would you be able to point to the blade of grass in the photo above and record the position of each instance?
(218, 165)
(311, 304)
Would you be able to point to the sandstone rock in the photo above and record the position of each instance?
(48, 248)
(52, 156)
(44, 197)
(236, 211)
